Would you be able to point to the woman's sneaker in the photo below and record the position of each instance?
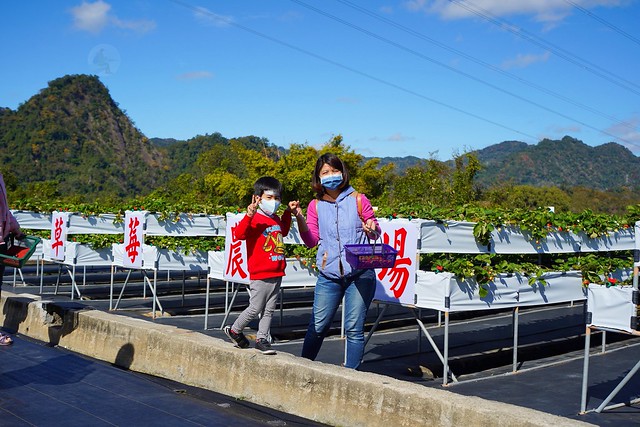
(237, 338)
(263, 346)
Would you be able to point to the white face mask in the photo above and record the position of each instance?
(269, 206)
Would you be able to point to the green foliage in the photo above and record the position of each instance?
(567, 162)
(74, 136)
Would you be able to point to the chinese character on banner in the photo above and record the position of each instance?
(133, 238)
(397, 284)
(59, 228)
(235, 253)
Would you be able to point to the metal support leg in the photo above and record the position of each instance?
(375, 324)
(154, 291)
(58, 280)
(516, 314)
(206, 304)
(111, 289)
(624, 381)
(228, 309)
(445, 371)
(124, 285)
(585, 370)
(183, 285)
(435, 347)
(42, 277)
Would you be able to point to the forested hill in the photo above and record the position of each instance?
(563, 163)
(75, 137)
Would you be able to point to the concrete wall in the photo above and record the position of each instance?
(321, 392)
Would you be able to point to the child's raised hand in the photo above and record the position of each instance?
(294, 207)
(253, 207)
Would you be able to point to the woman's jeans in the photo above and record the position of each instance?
(358, 292)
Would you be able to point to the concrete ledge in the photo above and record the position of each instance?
(313, 390)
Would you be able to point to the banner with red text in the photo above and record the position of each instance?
(397, 284)
(235, 253)
(133, 238)
(59, 228)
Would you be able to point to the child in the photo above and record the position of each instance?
(263, 230)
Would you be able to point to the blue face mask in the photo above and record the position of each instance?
(331, 182)
(269, 206)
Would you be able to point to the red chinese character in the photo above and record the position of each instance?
(235, 261)
(57, 234)
(399, 274)
(134, 243)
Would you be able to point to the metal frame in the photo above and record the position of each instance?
(153, 286)
(587, 345)
(444, 354)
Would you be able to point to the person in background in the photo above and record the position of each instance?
(264, 231)
(8, 225)
(338, 216)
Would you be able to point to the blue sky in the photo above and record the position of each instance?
(394, 78)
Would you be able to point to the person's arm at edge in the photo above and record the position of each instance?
(285, 219)
(311, 235)
(369, 214)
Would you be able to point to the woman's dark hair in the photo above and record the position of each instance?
(267, 183)
(333, 161)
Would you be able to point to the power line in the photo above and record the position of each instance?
(455, 70)
(348, 68)
(604, 22)
(558, 51)
(483, 63)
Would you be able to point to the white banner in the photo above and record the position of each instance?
(133, 238)
(235, 253)
(397, 284)
(59, 228)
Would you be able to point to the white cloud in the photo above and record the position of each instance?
(399, 137)
(141, 26)
(206, 16)
(629, 130)
(91, 17)
(396, 137)
(522, 61)
(195, 75)
(96, 16)
(548, 11)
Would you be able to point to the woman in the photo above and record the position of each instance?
(8, 225)
(338, 216)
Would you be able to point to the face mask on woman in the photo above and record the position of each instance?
(331, 182)
(269, 206)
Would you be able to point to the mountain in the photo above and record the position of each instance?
(73, 136)
(72, 133)
(568, 162)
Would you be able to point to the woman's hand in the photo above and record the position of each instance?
(369, 227)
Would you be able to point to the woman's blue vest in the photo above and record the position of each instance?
(339, 224)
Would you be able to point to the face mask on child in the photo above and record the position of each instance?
(269, 206)
(331, 182)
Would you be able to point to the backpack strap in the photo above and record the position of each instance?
(358, 197)
(355, 194)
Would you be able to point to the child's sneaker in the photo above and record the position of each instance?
(237, 338)
(263, 346)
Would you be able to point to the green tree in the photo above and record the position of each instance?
(528, 197)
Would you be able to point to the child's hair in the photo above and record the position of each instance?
(333, 161)
(267, 183)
